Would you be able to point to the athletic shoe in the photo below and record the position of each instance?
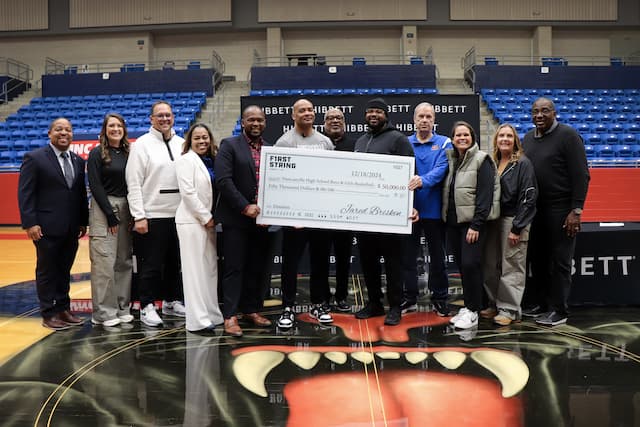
(370, 310)
(320, 314)
(149, 316)
(326, 307)
(343, 306)
(111, 322)
(469, 319)
(535, 311)
(488, 313)
(441, 308)
(286, 318)
(408, 306)
(393, 317)
(552, 319)
(505, 318)
(175, 308)
(461, 312)
(126, 318)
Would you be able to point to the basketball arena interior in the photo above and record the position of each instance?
(482, 61)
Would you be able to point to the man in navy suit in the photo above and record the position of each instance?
(245, 246)
(53, 209)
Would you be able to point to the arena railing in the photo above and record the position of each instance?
(19, 74)
(316, 59)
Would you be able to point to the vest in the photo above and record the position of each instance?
(466, 183)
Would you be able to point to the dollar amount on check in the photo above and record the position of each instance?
(335, 190)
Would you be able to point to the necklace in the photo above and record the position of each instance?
(117, 150)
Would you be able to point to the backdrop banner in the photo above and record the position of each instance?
(448, 108)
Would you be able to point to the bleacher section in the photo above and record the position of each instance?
(607, 119)
(27, 129)
(344, 91)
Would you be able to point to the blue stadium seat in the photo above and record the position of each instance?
(363, 91)
(623, 151)
(632, 127)
(193, 65)
(403, 91)
(268, 92)
(322, 91)
(282, 92)
(616, 127)
(389, 91)
(6, 144)
(593, 139)
(487, 92)
(358, 60)
(583, 127)
(630, 139)
(590, 151)
(350, 91)
(611, 139)
(335, 91)
(376, 91)
(605, 150)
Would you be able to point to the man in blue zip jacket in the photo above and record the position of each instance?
(431, 169)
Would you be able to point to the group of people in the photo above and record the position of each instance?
(156, 203)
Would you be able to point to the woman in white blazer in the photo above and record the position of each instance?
(196, 230)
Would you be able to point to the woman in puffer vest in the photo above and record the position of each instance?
(471, 196)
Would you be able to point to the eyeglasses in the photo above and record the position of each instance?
(163, 116)
(331, 118)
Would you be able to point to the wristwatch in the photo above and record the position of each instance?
(577, 211)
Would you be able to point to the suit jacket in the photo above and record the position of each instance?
(235, 181)
(44, 198)
(196, 190)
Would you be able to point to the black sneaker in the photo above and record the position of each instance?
(393, 317)
(326, 307)
(552, 319)
(286, 318)
(370, 310)
(441, 308)
(535, 311)
(408, 306)
(342, 306)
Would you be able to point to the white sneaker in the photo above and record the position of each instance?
(149, 316)
(110, 322)
(468, 320)
(320, 314)
(175, 308)
(126, 318)
(455, 318)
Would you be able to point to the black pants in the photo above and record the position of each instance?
(391, 247)
(550, 255)
(294, 241)
(53, 272)
(342, 242)
(247, 261)
(469, 260)
(434, 233)
(158, 260)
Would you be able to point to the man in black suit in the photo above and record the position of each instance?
(53, 209)
(245, 246)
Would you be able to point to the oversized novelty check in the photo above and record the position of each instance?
(335, 190)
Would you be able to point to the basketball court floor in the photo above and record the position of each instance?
(354, 373)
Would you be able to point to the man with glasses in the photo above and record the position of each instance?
(153, 199)
(560, 162)
(342, 240)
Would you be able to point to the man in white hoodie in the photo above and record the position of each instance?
(153, 199)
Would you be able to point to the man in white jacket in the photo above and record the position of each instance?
(153, 199)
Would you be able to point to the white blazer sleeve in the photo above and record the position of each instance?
(134, 175)
(187, 171)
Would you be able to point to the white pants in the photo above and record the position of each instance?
(111, 263)
(199, 259)
(505, 266)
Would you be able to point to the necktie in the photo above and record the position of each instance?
(68, 171)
